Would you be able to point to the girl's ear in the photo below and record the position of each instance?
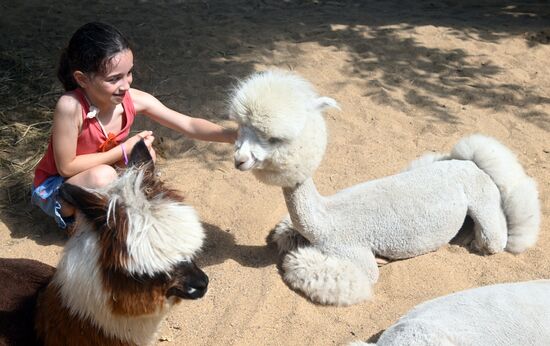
(81, 78)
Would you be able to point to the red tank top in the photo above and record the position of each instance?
(91, 138)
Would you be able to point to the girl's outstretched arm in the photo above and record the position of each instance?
(195, 128)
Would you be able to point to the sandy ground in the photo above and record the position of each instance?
(410, 77)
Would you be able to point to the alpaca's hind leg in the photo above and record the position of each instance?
(329, 279)
(489, 224)
(286, 237)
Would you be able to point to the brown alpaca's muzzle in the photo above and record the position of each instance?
(189, 281)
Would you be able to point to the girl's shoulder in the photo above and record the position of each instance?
(69, 103)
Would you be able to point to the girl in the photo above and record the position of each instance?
(92, 119)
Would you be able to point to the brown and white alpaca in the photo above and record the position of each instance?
(128, 262)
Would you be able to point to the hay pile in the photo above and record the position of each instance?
(27, 99)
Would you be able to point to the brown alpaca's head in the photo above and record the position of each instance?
(132, 252)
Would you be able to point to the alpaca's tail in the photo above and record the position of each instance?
(518, 191)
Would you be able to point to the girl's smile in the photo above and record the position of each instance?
(121, 95)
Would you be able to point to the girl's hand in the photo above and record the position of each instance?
(148, 139)
(149, 143)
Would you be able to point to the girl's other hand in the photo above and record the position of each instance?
(148, 139)
(149, 143)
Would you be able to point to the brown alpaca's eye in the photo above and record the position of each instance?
(275, 140)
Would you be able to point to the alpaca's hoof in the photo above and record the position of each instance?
(477, 246)
(285, 237)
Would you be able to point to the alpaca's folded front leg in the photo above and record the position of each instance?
(332, 279)
(286, 237)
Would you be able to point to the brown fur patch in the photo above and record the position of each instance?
(56, 326)
(153, 188)
(136, 296)
(112, 239)
(129, 296)
(22, 279)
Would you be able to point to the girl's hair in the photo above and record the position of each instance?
(90, 50)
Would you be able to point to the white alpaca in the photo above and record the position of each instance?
(282, 139)
(497, 315)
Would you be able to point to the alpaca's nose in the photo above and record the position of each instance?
(239, 164)
(243, 157)
(197, 286)
(190, 282)
(240, 160)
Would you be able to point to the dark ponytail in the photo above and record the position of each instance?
(90, 50)
(64, 73)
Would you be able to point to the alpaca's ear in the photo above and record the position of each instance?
(92, 205)
(140, 155)
(141, 158)
(321, 103)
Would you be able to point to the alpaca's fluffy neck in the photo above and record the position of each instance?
(306, 208)
(82, 293)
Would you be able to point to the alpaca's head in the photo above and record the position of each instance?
(132, 252)
(282, 134)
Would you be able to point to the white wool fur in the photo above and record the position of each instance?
(396, 217)
(518, 191)
(160, 234)
(292, 115)
(325, 279)
(496, 315)
(427, 159)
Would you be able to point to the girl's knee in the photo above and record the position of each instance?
(101, 176)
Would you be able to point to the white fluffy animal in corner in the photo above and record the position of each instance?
(332, 240)
(496, 315)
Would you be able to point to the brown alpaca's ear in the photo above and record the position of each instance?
(141, 158)
(92, 205)
(140, 155)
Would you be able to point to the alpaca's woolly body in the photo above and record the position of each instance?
(518, 191)
(497, 315)
(399, 216)
(395, 222)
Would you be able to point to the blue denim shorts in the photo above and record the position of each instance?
(46, 197)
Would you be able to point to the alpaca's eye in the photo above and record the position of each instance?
(275, 140)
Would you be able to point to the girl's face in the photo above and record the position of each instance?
(110, 88)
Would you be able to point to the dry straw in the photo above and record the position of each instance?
(27, 99)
